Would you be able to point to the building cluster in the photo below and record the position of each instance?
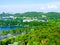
(43, 18)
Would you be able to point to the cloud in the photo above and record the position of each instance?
(52, 7)
(30, 7)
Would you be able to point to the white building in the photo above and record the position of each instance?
(28, 20)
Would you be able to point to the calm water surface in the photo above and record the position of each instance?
(9, 27)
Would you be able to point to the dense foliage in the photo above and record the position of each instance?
(35, 33)
(42, 34)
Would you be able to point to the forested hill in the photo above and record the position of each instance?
(50, 15)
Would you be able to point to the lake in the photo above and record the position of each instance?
(10, 27)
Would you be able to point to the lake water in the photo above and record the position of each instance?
(9, 27)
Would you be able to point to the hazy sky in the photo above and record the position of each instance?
(19, 6)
